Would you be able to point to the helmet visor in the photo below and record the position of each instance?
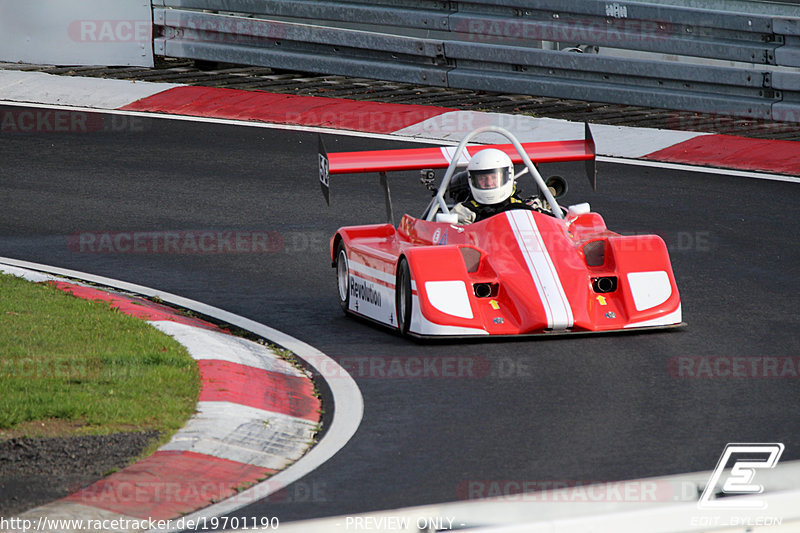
(489, 179)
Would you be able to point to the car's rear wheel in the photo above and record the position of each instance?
(403, 296)
(343, 276)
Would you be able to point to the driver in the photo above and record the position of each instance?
(492, 187)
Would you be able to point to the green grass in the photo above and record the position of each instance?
(72, 366)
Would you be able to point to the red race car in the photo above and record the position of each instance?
(531, 268)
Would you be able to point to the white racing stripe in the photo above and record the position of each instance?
(543, 272)
(449, 153)
(365, 270)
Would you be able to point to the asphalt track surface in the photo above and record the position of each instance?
(582, 408)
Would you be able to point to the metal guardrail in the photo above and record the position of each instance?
(731, 57)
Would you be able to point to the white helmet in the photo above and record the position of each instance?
(491, 176)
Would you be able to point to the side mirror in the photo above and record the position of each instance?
(557, 185)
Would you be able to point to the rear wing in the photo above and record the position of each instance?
(383, 161)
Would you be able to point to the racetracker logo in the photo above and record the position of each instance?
(725, 367)
(110, 31)
(608, 31)
(113, 490)
(376, 121)
(428, 367)
(409, 367)
(32, 121)
(46, 367)
(177, 242)
(576, 491)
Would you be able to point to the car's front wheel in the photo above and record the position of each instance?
(343, 276)
(403, 296)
